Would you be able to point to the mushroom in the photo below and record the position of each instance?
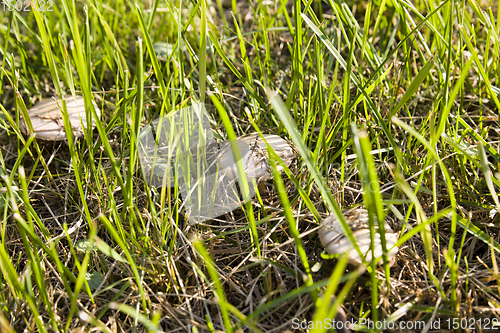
(253, 150)
(216, 193)
(207, 176)
(47, 121)
(334, 240)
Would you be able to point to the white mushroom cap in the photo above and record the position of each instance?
(254, 156)
(47, 121)
(335, 242)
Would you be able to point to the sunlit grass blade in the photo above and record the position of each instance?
(244, 184)
(443, 169)
(152, 54)
(148, 324)
(305, 153)
(479, 66)
(219, 290)
(203, 52)
(415, 85)
(373, 203)
(125, 248)
(324, 308)
(292, 223)
(358, 85)
(298, 292)
(14, 282)
(333, 63)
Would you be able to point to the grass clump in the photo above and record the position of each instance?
(390, 103)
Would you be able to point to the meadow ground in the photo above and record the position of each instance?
(390, 104)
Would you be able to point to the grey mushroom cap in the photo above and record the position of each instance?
(47, 121)
(334, 240)
(253, 150)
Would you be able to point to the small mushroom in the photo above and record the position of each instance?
(47, 121)
(335, 242)
(253, 150)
